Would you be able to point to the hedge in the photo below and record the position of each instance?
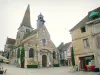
(32, 66)
(55, 65)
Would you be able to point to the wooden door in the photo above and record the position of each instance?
(44, 61)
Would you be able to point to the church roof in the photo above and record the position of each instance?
(86, 19)
(26, 19)
(10, 41)
(31, 33)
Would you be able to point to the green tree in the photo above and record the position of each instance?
(22, 57)
(72, 56)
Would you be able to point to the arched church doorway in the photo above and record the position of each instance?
(44, 61)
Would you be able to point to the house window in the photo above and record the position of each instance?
(31, 52)
(86, 43)
(83, 29)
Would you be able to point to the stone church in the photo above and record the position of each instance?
(39, 48)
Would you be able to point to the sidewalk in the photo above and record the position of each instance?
(13, 70)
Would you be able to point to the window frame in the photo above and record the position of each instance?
(27, 30)
(31, 53)
(86, 43)
(83, 29)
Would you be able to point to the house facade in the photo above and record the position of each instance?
(85, 40)
(68, 54)
(38, 46)
(8, 46)
(62, 54)
(65, 54)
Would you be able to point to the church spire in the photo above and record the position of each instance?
(26, 19)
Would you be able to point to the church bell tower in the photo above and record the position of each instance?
(25, 26)
(40, 21)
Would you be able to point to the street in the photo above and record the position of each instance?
(13, 70)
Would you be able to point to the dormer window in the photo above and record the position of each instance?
(83, 29)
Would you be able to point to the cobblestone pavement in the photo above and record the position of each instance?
(12, 70)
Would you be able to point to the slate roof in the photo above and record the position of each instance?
(86, 19)
(60, 47)
(26, 19)
(10, 41)
(67, 45)
(63, 47)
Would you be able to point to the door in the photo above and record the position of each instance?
(82, 62)
(44, 61)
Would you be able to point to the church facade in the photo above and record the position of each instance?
(38, 46)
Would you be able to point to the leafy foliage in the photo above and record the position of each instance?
(72, 56)
(22, 56)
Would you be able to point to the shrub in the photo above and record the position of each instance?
(32, 66)
(55, 65)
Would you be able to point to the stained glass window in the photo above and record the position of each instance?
(43, 41)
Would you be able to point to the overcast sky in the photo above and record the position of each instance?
(60, 16)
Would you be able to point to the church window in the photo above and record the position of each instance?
(8, 55)
(43, 41)
(54, 55)
(31, 52)
(18, 53)
(27, 30)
